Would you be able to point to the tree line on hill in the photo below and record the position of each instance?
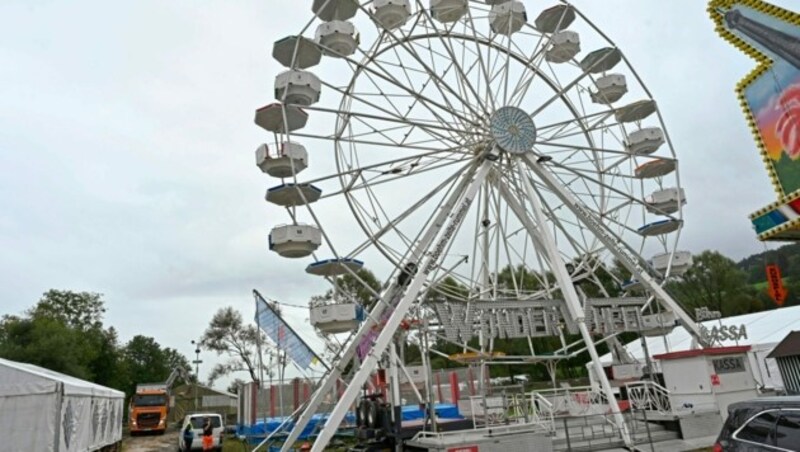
(64, 330)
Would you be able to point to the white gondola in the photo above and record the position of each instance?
(564, 46)
(556, 18)
(296, 52)
(610, 88)
(271, 118)
(291, 159)
(291, 195)
(666, 201)
(636, 111)
(601, 60)
(449, 10)
(328, 10)
(658, 324)
(660, 227)
(681, 261)
(391, 14)
(337, 318)
(295, 240)
(656, 168)
(334, 267)
(508, 17)
(645, 141)
(298, 87)
(338, 38)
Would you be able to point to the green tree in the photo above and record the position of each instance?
(351, 287)
(145, 361)
(47, 343)
(714, 282)
(82, 311)
(233, 388)
(228, 335)
(64, 332)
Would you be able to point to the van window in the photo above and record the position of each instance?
(787, 431)
(760, 429)
(197, 422)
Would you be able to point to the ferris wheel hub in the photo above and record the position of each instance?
(513, 130)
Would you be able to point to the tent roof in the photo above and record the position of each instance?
(789, 346)
(763, 328)
(72, 385)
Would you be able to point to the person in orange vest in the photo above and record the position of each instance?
(208, 434)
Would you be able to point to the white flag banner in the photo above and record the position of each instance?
(282, 334)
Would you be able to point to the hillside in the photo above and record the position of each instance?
(787, 257)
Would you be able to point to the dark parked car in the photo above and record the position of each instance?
(765, 424)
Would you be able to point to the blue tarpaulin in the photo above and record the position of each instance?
(266, 426)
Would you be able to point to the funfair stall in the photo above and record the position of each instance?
(42, 410)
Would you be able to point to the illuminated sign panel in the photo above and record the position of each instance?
(541, 318)
(770, 98)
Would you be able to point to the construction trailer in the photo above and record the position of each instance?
(46, 411)
(192, 398)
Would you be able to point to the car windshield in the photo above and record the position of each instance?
(197, 422)
(149, 400)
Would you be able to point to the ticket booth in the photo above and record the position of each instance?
(703, 382)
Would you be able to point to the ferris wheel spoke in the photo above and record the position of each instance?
(430, 78)
(447, 43)
(503, 237)
(422, 145)
(421, 123)
(560, 94)
(386, 165)
(529, 224)
(597, 195)
(623, 154)
(396, 115)
(585, 175)
(490, 97)
(387, 76)
(393, 223)
(403, 41)
(583, 129)
(539, 52)
(390, 176)
(404, 117)
(561, 223)
(527, 78)
(462, 81)
(596, 119)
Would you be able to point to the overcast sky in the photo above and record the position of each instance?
(126, 149)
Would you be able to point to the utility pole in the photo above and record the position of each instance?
(197, 361)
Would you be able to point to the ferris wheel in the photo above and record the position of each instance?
(475, 150)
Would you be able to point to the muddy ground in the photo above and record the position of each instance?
(168, 442)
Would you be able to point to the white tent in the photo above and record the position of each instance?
(764, 331)
(42, 410)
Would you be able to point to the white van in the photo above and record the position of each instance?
(196, 421)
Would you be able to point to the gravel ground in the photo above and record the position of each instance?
(167, 442)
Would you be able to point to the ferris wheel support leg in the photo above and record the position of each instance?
(456, 216)
(573, 302)
(615, 246)
(349, 352)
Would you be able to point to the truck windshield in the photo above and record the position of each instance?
(149, 400)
